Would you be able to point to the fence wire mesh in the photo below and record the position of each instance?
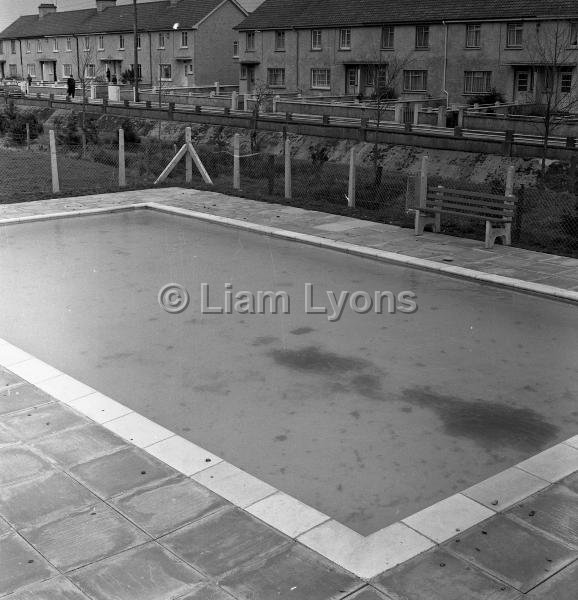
(546, 217)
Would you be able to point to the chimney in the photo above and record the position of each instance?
(104, 4)
(174, 2)
(46, 9)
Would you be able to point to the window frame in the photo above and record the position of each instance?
(100, 43)
(12, 46)
(279, 37)
(235, 48)
(345, 44)
(90, 71)
(473, 78)
(28, 47)
(390, 29)
(64, 70)
(31, 70)
(162, 71)
(573, 34)
(314, 80)
(316, 33)
(423, 32)
(184, 39)
(86, 43)
(409, 75)
(138, 41)
(121, 41)
(55, 45)
(39, 46)
(476, 29)
(566, 71)
(516, 28)
(161, 41)
(276, 71)
(12, 70)
(243, 72)
(68, 44)
(250, 40)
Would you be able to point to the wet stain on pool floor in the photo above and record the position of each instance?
(489, 424)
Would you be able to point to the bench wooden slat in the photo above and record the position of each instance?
(475, 207)
(471, 208)
(465, 193)
(497, 203)
(504, 219)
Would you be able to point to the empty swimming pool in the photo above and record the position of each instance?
(368, 418)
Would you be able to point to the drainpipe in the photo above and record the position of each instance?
(21, 62)
(296, 58)
(444, 91)
(77, 58)
(151, 57)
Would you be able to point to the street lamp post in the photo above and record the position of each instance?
(135, 57)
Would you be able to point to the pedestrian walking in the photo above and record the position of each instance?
(108, 75)
(70, 88)
(29, 83)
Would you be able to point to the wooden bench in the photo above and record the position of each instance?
(497, 211)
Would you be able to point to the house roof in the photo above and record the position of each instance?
(284, 14)
(153, 16)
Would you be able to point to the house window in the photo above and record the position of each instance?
(250, 41)
(566, 80)
(38, 45)
(184, 39)
(280, 41)
(422, 37)
(276, 77)
(383, 82)
(54, 44)
(69, 44)
(121, 42)
(523, 81)
(573, 34)
(28, 45)
(86, 44)
(236, 49)
(162, 41)
(166, 72)
(316, 39)
(67, 70)
(90, 71)
(138, 70)
(387, 32)
(345, 39)
(415, 81)
(320, 79)
(12, 46)
(473, 35)
(12, 70)
(514, 34)
(477, 82)
(190, 70)
(101, 42)
(138, 41)
(243, 74)
(32, 70)
(1, 46)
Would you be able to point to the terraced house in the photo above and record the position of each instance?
(421, 48)
(180, 42)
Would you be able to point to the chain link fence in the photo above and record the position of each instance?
(546, 219)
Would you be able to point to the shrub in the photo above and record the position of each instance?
(490, 97)
(13, 124)
(130, 134)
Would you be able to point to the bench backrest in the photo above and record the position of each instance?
(470, 203)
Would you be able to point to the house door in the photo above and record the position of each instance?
(48, 71)
(352, 81)
(523, 85)
(250, 78)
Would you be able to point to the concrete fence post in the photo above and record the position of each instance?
(288, 188)
(188, 157)
(351, 187)
(276, 99)
(54, 163)
(461, 117)
(423, 182)
(121, 160)
(217, 88)
(234, 100)
(245, 101)
(416, 109)
(442, 116)
(510, 180)
(236, 162)
(398, 113)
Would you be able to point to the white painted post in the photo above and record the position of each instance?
(416, 108)
(442, 114)
(236, 163)
(398, 113)
(461, 117)
(276, 99)
(288, 188)
(245, 101)
(234, 100)
(188, 157)
(121, 160)
(423, 181)
(217, 88)
(54, 163)
(351, 188)
(510, 180)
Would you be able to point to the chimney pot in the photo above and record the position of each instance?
(46, 9)
(104, 4)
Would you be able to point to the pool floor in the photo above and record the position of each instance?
(369, 418)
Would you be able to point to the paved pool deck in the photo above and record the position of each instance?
(96, 502)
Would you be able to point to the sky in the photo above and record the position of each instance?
(10, 10)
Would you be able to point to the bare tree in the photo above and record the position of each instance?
(89, 70)
(263, 95)
(552, 50)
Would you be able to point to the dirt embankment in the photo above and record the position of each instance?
(474, 167)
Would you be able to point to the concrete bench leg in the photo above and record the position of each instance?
(493, 232)
(423, 220)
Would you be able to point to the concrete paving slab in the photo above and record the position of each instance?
(34, 370)
(368, 593)
(11, 355)
(100, 408)
(6, 437)
(182, 455)
(505, 489)
(513, 553)
(562, 586)
(138, 430)
(554, 511)
(21, 564)
(43, 499)
(571, 482)
(21, 397)
(148, 572)
(84, 537)
(65, 388)
(553, 464)
(58, 588)
(120, 472)
(81, 444)
(41, 421)
(4, 527)
(437, 575)
(207, 592)
(18, 463)
(233, 484)
(7, 378)
(224, 541)
(295, 573)
(163, 507)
